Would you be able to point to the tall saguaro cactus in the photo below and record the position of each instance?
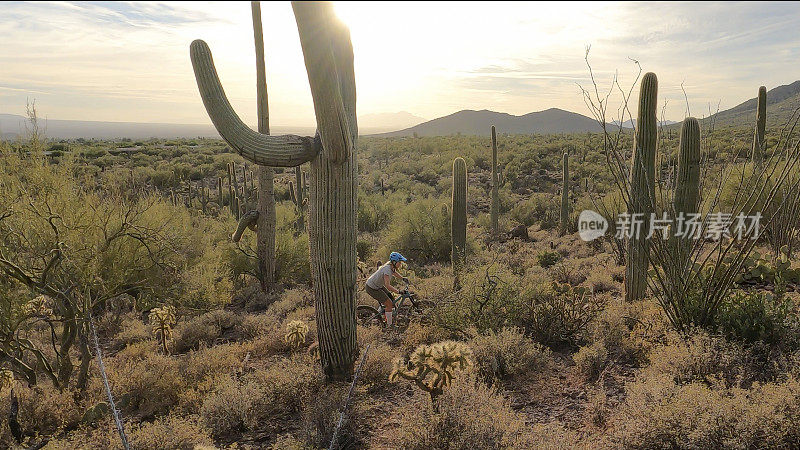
(458, 220)
(687, 184)
(328, 55)
(266, 222)
(565, 195)
(495, 182)
(761, 125)
(642, 189)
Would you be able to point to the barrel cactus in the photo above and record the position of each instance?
(642, 188)
(458, 221)
(328, 55)
(495, 188)
(761, 125)
(565, 195)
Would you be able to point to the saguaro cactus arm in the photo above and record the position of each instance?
(265, 150)
(249, 220)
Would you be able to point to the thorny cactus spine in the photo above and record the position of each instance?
(164, 319)
(761, 125)
(296, 332)
(433, 367)
(565, 195)
(495, 192)
(458, 221)
(642, 188)
(327, 50)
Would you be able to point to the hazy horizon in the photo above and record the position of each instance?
(128, 62)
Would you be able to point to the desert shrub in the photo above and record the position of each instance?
(421, 232)
(558, 313)
(471, 415)
(703, 358)
(379, 364)
(204, 329)
(541, 208)
(548, 259)
(260, 397)
(132, 331)
(219, 359)
(170, 433)
(660, 414)
(320, 417)
(257, 325)
(292, 260)
(758, 316)
(590, 360)
(147, 386)
(508, 353)
(375, 211)
(43, 410)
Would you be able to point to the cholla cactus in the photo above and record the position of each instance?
(6, 380)
(39, 307)
(432, 367)
(296, 332)
(164, 319)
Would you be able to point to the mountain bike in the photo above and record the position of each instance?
(403, 308)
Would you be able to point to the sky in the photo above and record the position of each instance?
(129, 61)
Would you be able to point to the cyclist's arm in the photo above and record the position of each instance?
(387, 282)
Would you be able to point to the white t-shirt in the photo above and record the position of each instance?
(375, 281)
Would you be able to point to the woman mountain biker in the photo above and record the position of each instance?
(379, 284)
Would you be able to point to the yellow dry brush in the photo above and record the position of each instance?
(6, 380)
(432, 367)
(164, 319)
(296, 332)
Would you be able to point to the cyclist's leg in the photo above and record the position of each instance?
(384, 298)
(388, 304)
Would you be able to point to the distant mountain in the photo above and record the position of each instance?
(469, 122)
(383, 122)
(630, 123)
(12, 126)
(782, 102)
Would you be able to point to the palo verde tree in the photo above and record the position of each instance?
(70, 247)
(328, 55)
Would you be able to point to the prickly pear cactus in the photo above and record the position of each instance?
(642, 188)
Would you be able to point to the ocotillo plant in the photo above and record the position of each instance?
(458, 220)
(565, 195)
(642, 189)
(495, 193)
(328, 55)
(761, 125)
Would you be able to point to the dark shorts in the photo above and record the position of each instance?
(381, 295)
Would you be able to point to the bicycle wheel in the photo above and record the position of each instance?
(367, 316)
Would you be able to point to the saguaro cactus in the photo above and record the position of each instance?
(687, 184)
(328, 55)
(495, 187)
(298, 195)
(761, 125)
(458, 220)
(642, 189)
(266, 222)
(565, 195)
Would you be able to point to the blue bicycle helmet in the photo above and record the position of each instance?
(395, 257)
